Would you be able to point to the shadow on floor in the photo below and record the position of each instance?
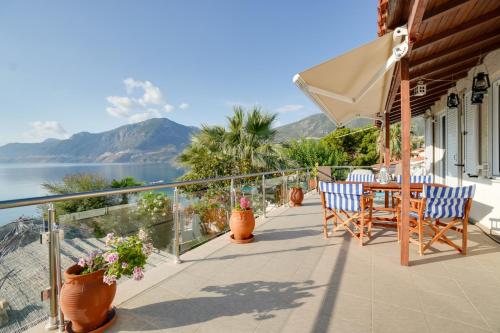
(234, 256)
(479, 247)
(286, 234)
(257, 298)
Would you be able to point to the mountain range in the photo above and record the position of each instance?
(151, 141)
(315, 127)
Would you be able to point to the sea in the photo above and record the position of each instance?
(25, 180)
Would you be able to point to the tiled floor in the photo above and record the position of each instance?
(292, 279)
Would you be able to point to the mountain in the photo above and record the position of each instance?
(153, 140)
(315, 126)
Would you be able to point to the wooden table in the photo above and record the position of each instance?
(389, 221)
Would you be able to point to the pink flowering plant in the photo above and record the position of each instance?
(125, 256)
(243, 204)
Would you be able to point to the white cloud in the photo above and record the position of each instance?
(183, 106)
(289, 108)
(151, 93)
(168, 108)
(148, 114)
(120, 106)
(41, 130)
(144, 100)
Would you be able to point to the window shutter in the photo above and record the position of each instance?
(428, 145)
(452, 147)
(471, 136)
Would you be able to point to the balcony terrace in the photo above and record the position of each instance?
(292, 279)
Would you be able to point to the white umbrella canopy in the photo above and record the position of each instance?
(354, 84)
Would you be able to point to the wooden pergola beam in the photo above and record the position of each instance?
(417, 11)
(452, 71)
(414, 113)
(460, 29)
(461, 62)
(444, 9)
(431, 88)
(475, 43)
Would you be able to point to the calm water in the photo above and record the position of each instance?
(24, 180)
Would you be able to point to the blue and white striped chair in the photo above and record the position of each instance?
(349, 205)
(361, 177)
(441, 209)
(427, 179)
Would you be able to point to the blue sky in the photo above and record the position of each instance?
(72, 66)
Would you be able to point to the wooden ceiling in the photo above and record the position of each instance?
(453, 37)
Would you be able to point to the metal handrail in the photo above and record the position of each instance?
(134, 189)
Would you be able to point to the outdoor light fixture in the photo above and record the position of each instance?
(453, 100)
(420, 89)
(476, 98)
(481, 82)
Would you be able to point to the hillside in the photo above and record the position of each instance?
(315, 126)
(153, 140)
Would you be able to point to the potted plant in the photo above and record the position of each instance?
(242, 222)
(313, 180)
(90, 285)
(296, 196)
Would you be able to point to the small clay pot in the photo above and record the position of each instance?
(86, 299)
(242, 223)
(312, 183)
(296, 196)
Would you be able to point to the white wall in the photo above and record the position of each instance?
(486, 207)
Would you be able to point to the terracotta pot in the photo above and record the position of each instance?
(296, 196)
(86, 299)
(312, 183)
(242, 223)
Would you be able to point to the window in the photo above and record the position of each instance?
(443, 146)
(471, 136)
(495, 130)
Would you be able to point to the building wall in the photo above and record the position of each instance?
(486, 207)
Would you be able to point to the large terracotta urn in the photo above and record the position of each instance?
(296, 196)
(85, 299)
(242, 223)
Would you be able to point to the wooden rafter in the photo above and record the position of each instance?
(444, 9)
(431, 88)
(460, 29)
(475, 42)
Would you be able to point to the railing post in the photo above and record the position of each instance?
(233, 194)
(285, 194)
(264, 202)
(177, 245)
(57, 248)
(298, 178)
(308, 177)
(53, 308)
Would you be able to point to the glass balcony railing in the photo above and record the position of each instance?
(177, 216)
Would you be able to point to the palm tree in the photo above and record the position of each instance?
(246, 145)
(395, 140)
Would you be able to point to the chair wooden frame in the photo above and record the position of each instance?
(436, 229)
(359, 220)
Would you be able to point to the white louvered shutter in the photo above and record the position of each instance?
(471, 136)
(429, 143)
(452, 147)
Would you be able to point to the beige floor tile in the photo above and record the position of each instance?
(387, 318)
(292, 279)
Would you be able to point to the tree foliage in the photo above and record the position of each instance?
(354, 146)
(310, 152)
(86, 182)
(246, 145)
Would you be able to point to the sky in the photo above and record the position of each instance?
(93, 65)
